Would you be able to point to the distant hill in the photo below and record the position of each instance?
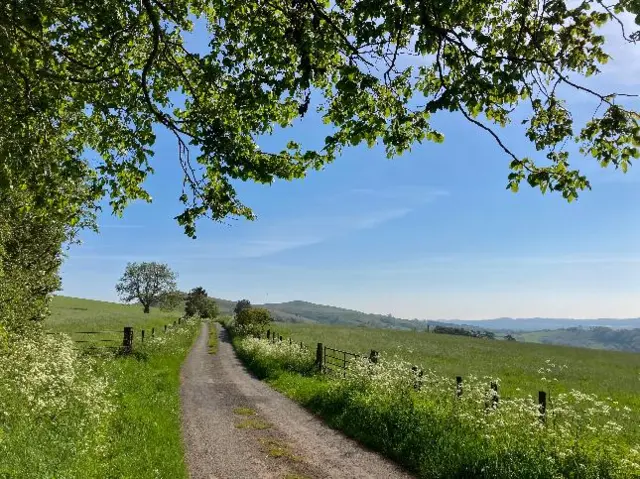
(305, 312)
(537, 324)
(598, 338)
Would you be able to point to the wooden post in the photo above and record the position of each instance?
(127, 339)
(542, 401)
(179, 319)
(344, 364)
(301, 345)
(153, 332)
(373, 356)
(458, 386)
(268, 334)
(289, 341)
(319, 350)
(495, 398)
(417, 381)
(165, 328)
(280, 338)
(142, 335)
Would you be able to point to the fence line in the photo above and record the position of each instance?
(341, 363)
(127, 338)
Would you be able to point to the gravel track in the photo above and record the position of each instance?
(282, 439)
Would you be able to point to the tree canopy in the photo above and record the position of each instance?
(84, 83)
(198, 302)
(146, 283)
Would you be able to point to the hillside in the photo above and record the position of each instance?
(597, 338)
(305, 312)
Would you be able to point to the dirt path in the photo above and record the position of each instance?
(236, 427)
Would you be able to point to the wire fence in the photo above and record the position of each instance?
(120, 340)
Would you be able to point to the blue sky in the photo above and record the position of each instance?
(432, 234)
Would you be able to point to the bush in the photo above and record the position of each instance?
(252, 321)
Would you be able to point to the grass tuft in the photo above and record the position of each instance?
(244, 411)
(253, 423)
(278, 449)
(213, 339)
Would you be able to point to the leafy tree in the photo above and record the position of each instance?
(146, 283)
(99, 76)
(171, 300)
(30, 255)
(252, 320)
(241, 306)
(198, 302)
(209, 309)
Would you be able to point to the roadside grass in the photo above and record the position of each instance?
(436, 435)
(137, 436)
(144, 433)
(613, 374)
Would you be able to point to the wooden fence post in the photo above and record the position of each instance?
(268, 334)
(153, 332)
(142, 335)
(458, 386)
(494, 398)
(179, 319)
(319, 350)
(417, 381)
(127, 339)
(280, 338)
(290, 341)
(373, 356)
(542, 401)
(301, 345)
(165, 328)
(344, 364)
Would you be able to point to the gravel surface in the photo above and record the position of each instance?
(277, 439)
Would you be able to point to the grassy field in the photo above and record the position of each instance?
(606, 373)
(138, 434)
(69, 315)
(422, 424)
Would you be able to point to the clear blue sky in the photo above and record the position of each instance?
(432, 234)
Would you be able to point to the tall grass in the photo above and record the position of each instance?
(65, 413)
(436, 434)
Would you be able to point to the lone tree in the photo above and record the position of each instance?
(241, 306)
(198, 302)
(146, 283)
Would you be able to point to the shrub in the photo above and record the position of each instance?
(252, 321)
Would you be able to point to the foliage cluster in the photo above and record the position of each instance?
(463, 332)
(198, 302)
(100, 77)
(146, 283)
(251, 321)
(437, 434)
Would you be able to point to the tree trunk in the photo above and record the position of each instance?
(146, 308)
